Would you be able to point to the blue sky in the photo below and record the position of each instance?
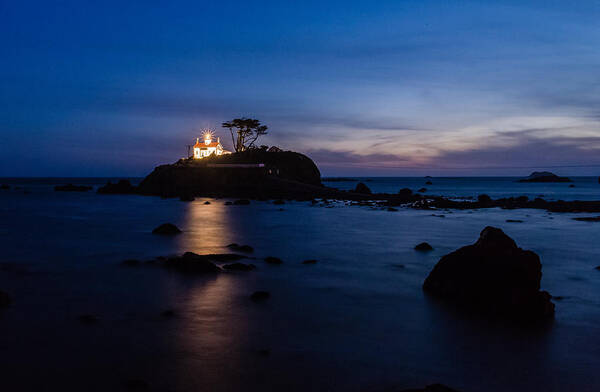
(364, 88)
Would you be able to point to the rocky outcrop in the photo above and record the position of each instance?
(405, 192)
(273, 260)
(166, 229)
(492, 276)
(191, 263)
(362, 188)
(122, 187)
(72, 188)
(544, 177)
(253, 174)
(423, 247)
(240, 248)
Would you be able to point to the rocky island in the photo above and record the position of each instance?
(544, 177)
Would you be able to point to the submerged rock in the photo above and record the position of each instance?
(273, 260)
(239, 267)
(544, 177)
(72, 188)
(206, 203)
(166, 229)
(241, 248)
(260, 296)
(362, 188)
(423, 246)
(121, 187)
(5, 299)
(492, 276)
(192, 263)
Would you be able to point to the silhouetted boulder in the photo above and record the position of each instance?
(572, 186)
(121, 187)
(405, 192)
(5, 299)
(258, 296)
(273, 260)
(362, 188)
(72, 188)
(239, 267)
(206, 203)
(492, 276)
(423, 246)
(428, 183)
(192, 263)
(484, 199)
(544, 177)
(166, 229)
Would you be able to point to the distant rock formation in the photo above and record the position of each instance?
(72, 188)
(492, 276)
(121, 187)
(166, 229)
(362, 188)
(544, 177)
(253, 173)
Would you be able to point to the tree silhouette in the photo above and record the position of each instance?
(247, 131)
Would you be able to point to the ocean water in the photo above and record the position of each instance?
(357, 320)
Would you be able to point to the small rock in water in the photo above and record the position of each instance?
(392, 209)
(241, 248)
(422, 190)
(572, 186)
(428, 183)
(588, 219)
(260, 296)
(273, 260)
(423, 246)
(598, 268)
(166, 229)
(514, 221)
(239, 267)
(88, 319)
(278, 202)
(130, 263)
(192, 263)
(265, 352)
(405, 192)
(228, 203)
(206, 203)
(5, 299)
(241, 202)
(310, 261)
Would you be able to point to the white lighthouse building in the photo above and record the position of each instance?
(208, 147)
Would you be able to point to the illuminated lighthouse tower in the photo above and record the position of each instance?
(208, 146)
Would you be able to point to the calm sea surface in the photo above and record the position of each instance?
(355, 321)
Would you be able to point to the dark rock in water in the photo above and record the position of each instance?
(186, 198)
(136, 385)
(598, 268)
(192, 263)
(260, 296)
(422, 190)
(428, 183)
(228, 203)
(166, 229)
(392, 209)
(514, 221)
(4, 186)
(273, 260)
(265, 352)
(206, 203)
(493, 276)
(432, 388)
(122, 187)
(5, 299)
(88, 319)
(278, 202)
(362, 188)
(239, 267)
(241, 202)
(169, 313)
(598, 180)
(241, 248)
(544, 177)
(572, 186)
(310, 261)
(588, 219)
(72, 188)
(405, 192)
(423, 246)
(484, 199)
(130, 263)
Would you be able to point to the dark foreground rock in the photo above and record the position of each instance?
(423, 246)
(362, 188)
(122, 187)
(192, 263)
(72, 188)
(432, 388)
(166, 229)
(544, 177)
(5, 299)
(492, 276)
(273, 260)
